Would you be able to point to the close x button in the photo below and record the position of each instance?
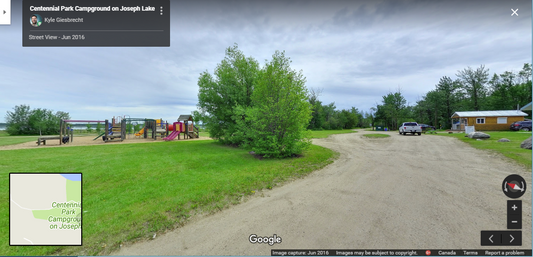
(499, 238)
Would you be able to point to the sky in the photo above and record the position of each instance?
(354, 51)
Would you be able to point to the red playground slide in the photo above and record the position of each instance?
(172, 135)
(178, 128)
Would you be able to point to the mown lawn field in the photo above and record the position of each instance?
(132, 191)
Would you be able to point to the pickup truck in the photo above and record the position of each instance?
(410, 127)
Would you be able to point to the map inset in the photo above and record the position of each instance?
(45, 209)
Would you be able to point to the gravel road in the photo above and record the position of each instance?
(400, 192)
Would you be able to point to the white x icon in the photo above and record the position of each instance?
(514, 12)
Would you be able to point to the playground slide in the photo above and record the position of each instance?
(172, 135)
(99, 135)
(140, 133)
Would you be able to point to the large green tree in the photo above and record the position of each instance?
(231, 85)
(276, 123)
(266, 109)
(392, 110)
(473, 82)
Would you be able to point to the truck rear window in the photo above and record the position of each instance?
(410, 124)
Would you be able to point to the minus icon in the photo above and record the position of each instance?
(514, 221)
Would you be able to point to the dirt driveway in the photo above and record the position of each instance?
(422, 192)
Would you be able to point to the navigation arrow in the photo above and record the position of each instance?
(4, 11)
(490, 238)
(511, 239)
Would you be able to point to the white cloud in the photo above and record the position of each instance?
(357, 51)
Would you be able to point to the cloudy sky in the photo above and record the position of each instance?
(355, 51)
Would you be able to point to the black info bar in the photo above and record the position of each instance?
(96, 23)
(402, 252)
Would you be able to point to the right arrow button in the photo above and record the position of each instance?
(512, 238)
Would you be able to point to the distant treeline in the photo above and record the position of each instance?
(472, 90)
(24, 121)
(327, 117)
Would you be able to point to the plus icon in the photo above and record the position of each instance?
(514, 207)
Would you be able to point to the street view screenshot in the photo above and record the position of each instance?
(282, 128)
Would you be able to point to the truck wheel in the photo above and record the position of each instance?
(413, 133)
(419, 133)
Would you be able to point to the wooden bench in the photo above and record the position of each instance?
(43, 139)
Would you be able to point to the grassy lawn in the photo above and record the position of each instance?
(8, 140)
(509, 149)
(376, 135)
(131, 191)
(326, 133)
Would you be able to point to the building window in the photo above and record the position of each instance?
(480, 120)
(502, 120)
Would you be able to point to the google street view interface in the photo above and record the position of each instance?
(110, 109)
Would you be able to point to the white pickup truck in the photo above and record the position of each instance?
(410, 127)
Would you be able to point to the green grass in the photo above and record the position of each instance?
(131, 191)
(326, 133)
(8, 140)
(376, 135)
(509, 149)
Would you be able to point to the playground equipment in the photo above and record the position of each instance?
(114, 131)
(65, 133)
(177, 128)
(120, 126)
(140, 133)
(103, 133)
(191, 131)
(131, 123)
(157, 128)
(161, 129)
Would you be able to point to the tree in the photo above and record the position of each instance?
(317, 116)
(525, 74)
(474, 84)
(275, 124)
(23, 121)
(17, 121)
(331, 121)
(392, 110)
(99, 127)
(89, 128)
(231, 85)
(372, 116)
(448, 89)
(434, 103)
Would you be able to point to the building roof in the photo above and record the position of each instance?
(489, 114)
(526, 107)
(189, 118)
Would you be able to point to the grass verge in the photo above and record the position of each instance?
(508, 149)
(132, 191)
(376, 135)
(7, 140)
